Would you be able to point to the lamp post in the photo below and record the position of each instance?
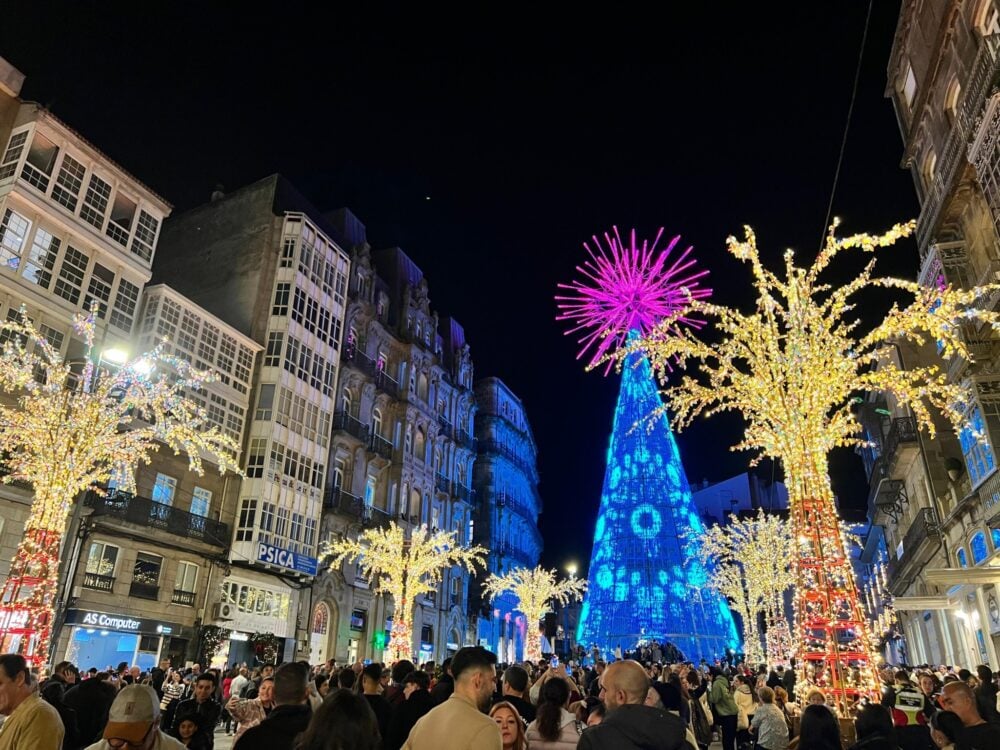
(571, 570)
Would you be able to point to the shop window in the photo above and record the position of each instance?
(963, 560)
(978, 546)
(427, 634)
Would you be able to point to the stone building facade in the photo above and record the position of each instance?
(402, 450)
(270, 265)
(939, 501)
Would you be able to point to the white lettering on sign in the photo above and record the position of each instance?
(110, 621)
(276, 556)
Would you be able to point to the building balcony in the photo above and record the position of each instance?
(380, 447)
(957, 153)
(144, 590)
(98, 582)
(353, 355)
(144, 512)
(340, 501)
(349, 424)
(463, 493)
(388, 385)
(442, 484)
(499, 449)
(887, 492)
(374, 518)
(920, 544)
(184, 598)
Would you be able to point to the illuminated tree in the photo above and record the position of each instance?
(537, 590)
(404, 568)
(759, 552)
(65, 431)
(792, 367)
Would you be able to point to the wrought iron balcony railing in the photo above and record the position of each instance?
(99, 582)
(350, 424)
(185, 598)
(144, 512)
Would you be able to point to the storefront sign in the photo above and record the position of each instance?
(268, 553)
(124, 623)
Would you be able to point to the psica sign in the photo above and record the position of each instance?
(268, 553)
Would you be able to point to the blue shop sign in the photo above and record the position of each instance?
(268, 553)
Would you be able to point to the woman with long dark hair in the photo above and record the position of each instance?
(819, 729)
(554, 727)
(345, 721)
(873, 726)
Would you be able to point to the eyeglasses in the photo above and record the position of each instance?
(120, 743)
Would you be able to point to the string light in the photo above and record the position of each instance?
(791, 368)
(404, 568)
(69, 432)
(756, 554)
(536, 590)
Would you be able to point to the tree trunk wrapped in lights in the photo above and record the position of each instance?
(756, 553)
(536, 590)
(404, 568)
(792, 367)
(69, 432)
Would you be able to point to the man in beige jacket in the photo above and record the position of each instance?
(460, 722)
(32, 724)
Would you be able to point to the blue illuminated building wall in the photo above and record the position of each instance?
(505, 479)
(643, 582)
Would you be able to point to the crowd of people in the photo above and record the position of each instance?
(471, 703)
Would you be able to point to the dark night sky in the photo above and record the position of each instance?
(525, 146)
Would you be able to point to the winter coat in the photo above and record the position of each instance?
(443, 690)
(721, 699)
(408, 713)
(91, 699)
(634, 727)
(249, 712)
(744, 699)
(569, 734)
(456, 724)
(279, 731)
(208, 716)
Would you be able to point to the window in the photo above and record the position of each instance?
(147, 569)
(280, 306)
(963, 560)
(67, 189)
(265, 402)
(41, 258)
(281, 523)
(978, 546)
(272, 356)
(71, 273)
(309, 537)
(122, 213)
(295, 533)
(995, 537)
(123, 314)
(187, 577)
(927, 169)
(99, 289)
(41, 159)
(163, 489)
(377, 422)
(267, 517)
(978, 453)
(248, 513)
(102, 559)
(370, 491)
(145, 235)
(419, 444)
(951, 100)
(256, 455)
(13, 233)
(53, 336)
(909, 86)
(95, 202)
(201, 501)
(987, 18)
(13, 154)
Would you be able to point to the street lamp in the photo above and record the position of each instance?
(571, 569)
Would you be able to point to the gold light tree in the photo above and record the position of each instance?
(404, 568)
(64, 431)
(791, 367)
(536, 590)
(758, 552)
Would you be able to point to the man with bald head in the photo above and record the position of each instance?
(629, 724)
(977, 733)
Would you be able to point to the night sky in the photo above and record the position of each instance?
(489, 160)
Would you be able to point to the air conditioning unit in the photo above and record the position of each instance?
(222, 611)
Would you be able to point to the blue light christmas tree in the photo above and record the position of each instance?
(645, 584)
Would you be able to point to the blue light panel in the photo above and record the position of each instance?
(644, 585)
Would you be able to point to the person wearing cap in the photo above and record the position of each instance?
(134, 723)
(31, 724)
